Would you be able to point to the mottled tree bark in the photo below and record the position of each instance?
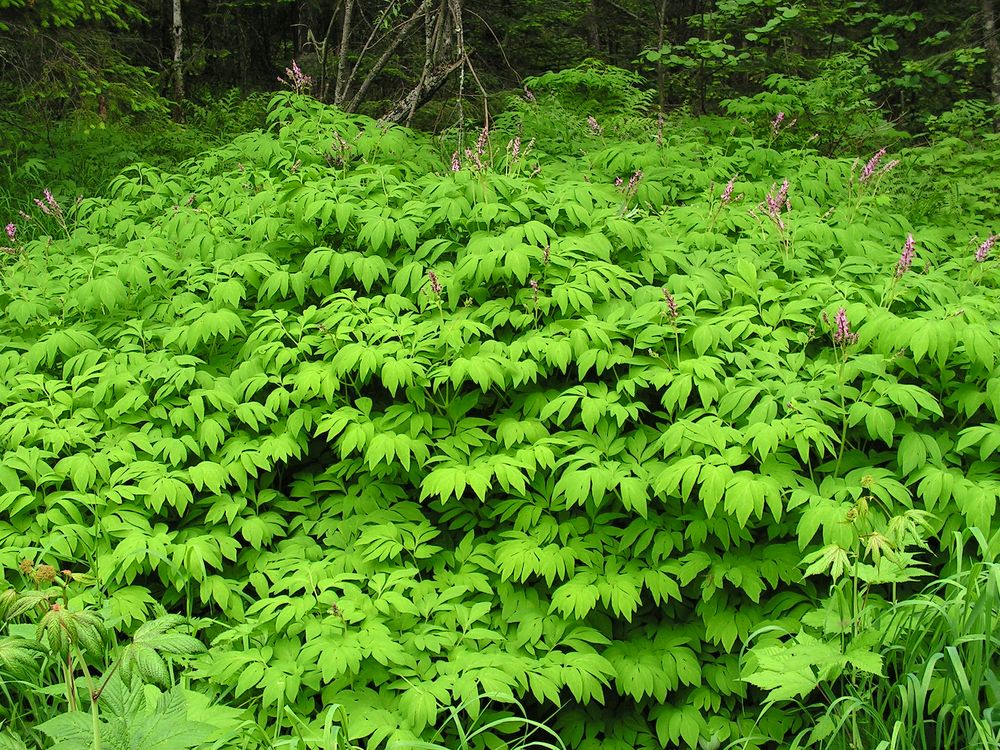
(444, 53)
(340, 88)
(178, 65)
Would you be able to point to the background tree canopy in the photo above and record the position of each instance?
(913, 59)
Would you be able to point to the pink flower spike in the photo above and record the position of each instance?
(871, 166)
(456, 165)
(482, 141)
(297, 80)
(594, 125)
(984, 249)
(619, 182)
(633, 181)
(775, 202)
(474, 158)
(906, 258)
(888, 167)
(435, 284)
(776, 122)
(671, 303)
(11, 230)
(842, 333)
(727, 194)
(45, 209)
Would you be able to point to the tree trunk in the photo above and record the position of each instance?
(383, 60)
(340, 87)
(178, 67)
(993, 55)
(593, 28)
(422, 93)
(444, 53)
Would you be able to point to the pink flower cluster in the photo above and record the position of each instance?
(671, 304)
(298, 81)
(906, 257)
(11, 230)
(871, 167)
(775, 202)
(435, 283)
(633, 182)
(595, 127)
(727, 193)
(778, 123)
(476, 157)
(50, 207)
(984, 249)
(842, 329)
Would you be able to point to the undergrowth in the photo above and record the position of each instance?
(398, 424)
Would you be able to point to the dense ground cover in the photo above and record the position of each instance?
(557, 417)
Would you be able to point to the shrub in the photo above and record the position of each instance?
(406, 436)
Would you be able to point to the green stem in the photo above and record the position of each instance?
(95, 719)
(843, 417)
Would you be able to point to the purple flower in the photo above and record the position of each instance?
(619, 182)
(435, 284)
(528, 95)
(671, 303)
(481, 142)
(594, 125)
(727, 194)
(842, 333)
(776, 122)
(983, 250)
(534, 291)
(11, 230)
(45, 209)
(776, 201)
(474, 158)
(296, 79)
(633, 181)
(888, 167)
(456, 165)
(515, 148)
(869, 169)
(906, 257)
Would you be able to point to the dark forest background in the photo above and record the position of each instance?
(98, 64)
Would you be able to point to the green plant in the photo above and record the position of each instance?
(65, 652)
(874, 669)
(834, 110)
(401, 435)
(528, 733)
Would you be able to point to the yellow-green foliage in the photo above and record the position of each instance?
(406, 436)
